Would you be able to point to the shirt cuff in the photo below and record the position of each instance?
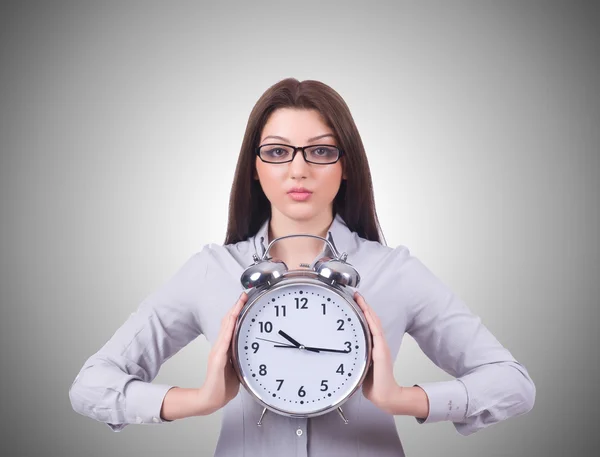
(144, 402)
(448, 400)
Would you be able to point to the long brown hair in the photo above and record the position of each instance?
(248, 205)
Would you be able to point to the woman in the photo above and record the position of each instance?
(325, 189)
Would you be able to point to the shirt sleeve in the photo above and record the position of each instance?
(489, 385)
(114, 385)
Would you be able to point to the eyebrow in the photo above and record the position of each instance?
(310, 139)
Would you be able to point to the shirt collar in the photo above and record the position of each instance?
(338, 234)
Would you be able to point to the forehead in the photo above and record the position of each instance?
(296, 125)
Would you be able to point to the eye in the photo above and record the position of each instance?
(276, 152)
(324, 151)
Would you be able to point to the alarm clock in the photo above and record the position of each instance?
(301, 345)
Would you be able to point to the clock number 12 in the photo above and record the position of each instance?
(304, 301)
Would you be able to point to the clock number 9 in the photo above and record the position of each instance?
(265, 327)
(255, 346)
(301, 392)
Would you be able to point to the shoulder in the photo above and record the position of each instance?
(378, 252)
(226, 256)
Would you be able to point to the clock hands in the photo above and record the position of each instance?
(343, 351)
(282, 345)
(278, 342)
(295, 343)
(289, 338)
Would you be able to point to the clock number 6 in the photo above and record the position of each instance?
(301, 392)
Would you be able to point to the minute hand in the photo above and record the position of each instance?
(310, 348)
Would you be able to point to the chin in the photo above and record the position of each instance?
(302, 212)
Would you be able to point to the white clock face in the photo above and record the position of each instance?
(301, 348)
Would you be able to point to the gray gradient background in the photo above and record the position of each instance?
(120, 126)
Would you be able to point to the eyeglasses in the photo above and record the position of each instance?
(321, 154)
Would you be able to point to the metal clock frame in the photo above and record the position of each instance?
(326, 277)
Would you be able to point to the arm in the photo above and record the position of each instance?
(114, 385)
(490, 384)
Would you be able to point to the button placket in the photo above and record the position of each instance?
(301, 437)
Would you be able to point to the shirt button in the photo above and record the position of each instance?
(299, 432)
(138, 420)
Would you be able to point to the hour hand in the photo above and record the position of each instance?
(289, 338)
(295, 343)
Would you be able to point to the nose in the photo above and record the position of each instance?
(298, 166)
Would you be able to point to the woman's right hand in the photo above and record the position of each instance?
(221, 384)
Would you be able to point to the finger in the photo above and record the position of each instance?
(374, 315)
(374, 324)
(228, 323)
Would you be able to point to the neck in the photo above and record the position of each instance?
(298, 250)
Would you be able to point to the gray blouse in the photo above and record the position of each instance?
(115, 386)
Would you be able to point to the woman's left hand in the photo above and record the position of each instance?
(379, 386)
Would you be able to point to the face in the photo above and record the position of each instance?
(299, 127)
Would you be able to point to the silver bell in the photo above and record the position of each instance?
(338, 271)
(263, 272)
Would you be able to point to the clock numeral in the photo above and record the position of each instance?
(348, 346)
(340, 369)
(324, 384)
(280, 381)
(255, 346)
(304, 302)
(341, 322)
(277, 310)
(301, 392)
(265, 327)
(262, 370)
(324, 308)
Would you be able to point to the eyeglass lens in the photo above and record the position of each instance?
(278, 153)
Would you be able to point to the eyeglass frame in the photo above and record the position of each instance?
(300, 148)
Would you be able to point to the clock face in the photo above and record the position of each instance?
(301, 348)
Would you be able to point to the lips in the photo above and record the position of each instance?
(299, 190)
(299, 193)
